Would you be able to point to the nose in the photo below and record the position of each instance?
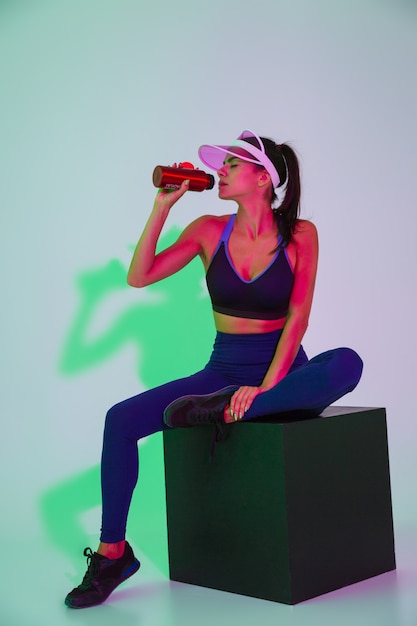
(222, 170)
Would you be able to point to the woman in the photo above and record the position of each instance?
(260, 267)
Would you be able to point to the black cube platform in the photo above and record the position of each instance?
(287, 509)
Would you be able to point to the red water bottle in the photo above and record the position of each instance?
(171, 177)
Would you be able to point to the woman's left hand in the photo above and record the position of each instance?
(240, 402)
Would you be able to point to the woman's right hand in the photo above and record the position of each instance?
(166, 198)
(147, 267)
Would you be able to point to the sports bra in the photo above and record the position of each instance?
(265, 297)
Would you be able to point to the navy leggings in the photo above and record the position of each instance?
(236, 360)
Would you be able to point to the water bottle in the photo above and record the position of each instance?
(171, 177)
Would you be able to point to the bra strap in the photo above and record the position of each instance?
(228, 228)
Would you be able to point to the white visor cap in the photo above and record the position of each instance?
(213, 156)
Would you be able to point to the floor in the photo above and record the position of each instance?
(39, 576)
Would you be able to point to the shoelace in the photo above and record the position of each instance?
(211, 416)
(205, 416)
(221, 432)
(92, 568)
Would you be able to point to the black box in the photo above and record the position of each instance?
(287, 509)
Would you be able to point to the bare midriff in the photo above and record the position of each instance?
(245, 326)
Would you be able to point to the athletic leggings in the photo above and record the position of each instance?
(236, 360)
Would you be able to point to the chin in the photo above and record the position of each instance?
(222, 193)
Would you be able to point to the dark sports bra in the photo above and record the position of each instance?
(265, 297)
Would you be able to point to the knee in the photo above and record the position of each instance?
(350, 365)
(115, 421)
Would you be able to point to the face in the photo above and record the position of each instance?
(238, 178)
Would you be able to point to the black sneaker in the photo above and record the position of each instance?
(191, 411)
(102, 576)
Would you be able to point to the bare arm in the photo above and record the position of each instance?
(147, 267)
(296, 323)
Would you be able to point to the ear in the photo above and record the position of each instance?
(264, 179)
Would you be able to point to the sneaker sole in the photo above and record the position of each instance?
(126, 574)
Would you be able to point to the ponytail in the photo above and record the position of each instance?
(287, 212)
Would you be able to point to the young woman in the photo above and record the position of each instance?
(260, 265)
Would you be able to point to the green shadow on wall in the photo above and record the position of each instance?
(172, 332)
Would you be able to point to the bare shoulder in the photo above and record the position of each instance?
(207, 227)
(305, 231)
(304, 248)
(207, 230)
(210, 222)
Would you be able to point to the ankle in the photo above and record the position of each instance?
(112, 550)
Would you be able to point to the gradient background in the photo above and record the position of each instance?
(94, 94)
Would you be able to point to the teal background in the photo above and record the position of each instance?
(93, 95)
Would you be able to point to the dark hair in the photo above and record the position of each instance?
(286, 163)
